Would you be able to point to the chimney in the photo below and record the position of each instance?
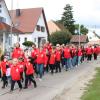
(18, 12)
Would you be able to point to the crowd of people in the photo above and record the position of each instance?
(25, 64)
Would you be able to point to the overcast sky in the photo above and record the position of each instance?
(86, 12)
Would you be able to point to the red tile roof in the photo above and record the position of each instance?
(6, 28)
(75, 39)
(28, 19)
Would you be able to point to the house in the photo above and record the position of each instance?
(94, 37)
(75, 39)
(32, 22)
(8, 34)
(55, 26)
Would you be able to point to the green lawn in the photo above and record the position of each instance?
(93, 89)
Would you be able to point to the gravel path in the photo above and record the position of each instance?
(61, 86)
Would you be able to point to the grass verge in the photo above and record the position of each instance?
(93, 88)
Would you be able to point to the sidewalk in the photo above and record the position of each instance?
(52, 85)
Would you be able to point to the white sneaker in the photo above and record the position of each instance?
(40, 79)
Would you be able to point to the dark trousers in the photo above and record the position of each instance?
(13, 84)
(52, 67)
(95, 56)
(58, 66)
(89, 57)
(30, 78)
(4, 79)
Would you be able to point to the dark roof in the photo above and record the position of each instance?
(28, 19)
(7, 28)
(75, 39)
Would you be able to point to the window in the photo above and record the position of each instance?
(38, 28)
(42, 29)
(25, 39)
(0, 10)
(19, 39)
(2, 19)
(34, 39)
(0, 6)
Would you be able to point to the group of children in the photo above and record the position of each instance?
(24, 64)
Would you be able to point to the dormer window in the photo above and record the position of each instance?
(38, 27)
(42, 29)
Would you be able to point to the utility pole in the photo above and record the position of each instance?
(79, 34)
(11, 22)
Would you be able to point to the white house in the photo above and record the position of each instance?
(32, 22)
(94, 36)
(5, 28)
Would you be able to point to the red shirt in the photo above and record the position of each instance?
(52, 58)
(40, 58)
(89, 50)
(67, 53)
(15, 72)
(29, 68)
(17, 53)
(21, 66)
(58, 55)
(79, 52)
(3, 67)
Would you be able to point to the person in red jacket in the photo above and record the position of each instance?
(89, 52)
(29, 71)
(17, 52)
(15, 74)
(3, 68)
(52, 61)
(95, 52)
(58, 58)
(40, 62)
(67, 56)
(79, 55)
(21, 66)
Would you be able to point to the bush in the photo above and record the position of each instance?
(28, 43)
(60, 37)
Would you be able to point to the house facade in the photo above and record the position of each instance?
(32, 22)
(7, 37)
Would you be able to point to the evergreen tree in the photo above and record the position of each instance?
(67, 19)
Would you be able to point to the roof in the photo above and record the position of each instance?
(55, 26)
(75, 39)
(28, 19)
(6, 28)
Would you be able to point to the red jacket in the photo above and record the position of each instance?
(89, 50)
(67, 53)
(52, 58)
(21, 66)
(58, 55)
(15, 73)
(95, 50)
(17, 53)
(3, 67)
(40, 58)
(79, 52)
(29, 68)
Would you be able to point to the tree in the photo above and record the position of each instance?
(67, 19)
(28, 43)
(60, 37)
(83, 29)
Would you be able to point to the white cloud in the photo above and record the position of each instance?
(85, 11)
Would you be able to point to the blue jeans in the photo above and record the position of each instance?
(74, 61)
(40, 69)
(68, 63)
(79, 59)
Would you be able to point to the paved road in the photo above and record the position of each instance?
(51, 84)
